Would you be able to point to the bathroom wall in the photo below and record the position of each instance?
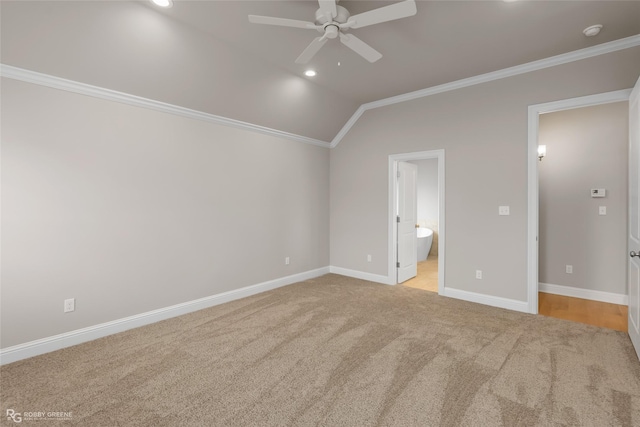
(586, 148)
(428, 198)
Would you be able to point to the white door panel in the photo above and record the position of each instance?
(633, 246)
(634, 297)
(407, 212)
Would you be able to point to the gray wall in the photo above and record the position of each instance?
(586, 148)
(483, 130)
(130, 210)
(428, 197)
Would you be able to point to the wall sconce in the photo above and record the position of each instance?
(542, 151)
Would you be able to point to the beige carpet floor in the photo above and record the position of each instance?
(335, 351)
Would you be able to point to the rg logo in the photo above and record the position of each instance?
(16, 417)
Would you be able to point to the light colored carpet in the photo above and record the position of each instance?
(335, 351)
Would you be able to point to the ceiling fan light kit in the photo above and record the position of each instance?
(334, 21)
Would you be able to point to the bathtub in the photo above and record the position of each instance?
(425, 238)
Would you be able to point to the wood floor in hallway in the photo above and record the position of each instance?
(595, 313)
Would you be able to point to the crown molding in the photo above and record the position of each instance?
(125, 98)
(54, 82)
(347, 127)
(565, 58)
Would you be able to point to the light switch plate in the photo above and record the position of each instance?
(602, 210)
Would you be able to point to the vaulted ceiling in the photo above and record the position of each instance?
(206, 56)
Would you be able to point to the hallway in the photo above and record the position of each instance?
(605, 315)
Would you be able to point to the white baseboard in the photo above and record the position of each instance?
(360, 275)
(68, 339)
(500, 302)
(509, 304)
(569, 291)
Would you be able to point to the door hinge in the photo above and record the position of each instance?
(398, 218)
(398, 174)
(397, 264)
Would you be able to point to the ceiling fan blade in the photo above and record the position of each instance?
(383, 14)
(360, 47)
(328, 7)
(282, 22)
(311, 50)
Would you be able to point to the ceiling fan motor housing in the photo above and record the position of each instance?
(341, 17)
(331, 31)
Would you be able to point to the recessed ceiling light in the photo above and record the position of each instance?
(310, 73)
(593, 30)
(163, 3)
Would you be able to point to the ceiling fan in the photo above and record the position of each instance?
(333, 21)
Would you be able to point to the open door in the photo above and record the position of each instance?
(633, 245)
(407, 212)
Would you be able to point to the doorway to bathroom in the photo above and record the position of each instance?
(428, 228)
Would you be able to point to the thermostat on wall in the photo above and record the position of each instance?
(598, 192)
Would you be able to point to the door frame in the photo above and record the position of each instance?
(392, 256)
(532, 162)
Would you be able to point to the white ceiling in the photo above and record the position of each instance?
(210, 58)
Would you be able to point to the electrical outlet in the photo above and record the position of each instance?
(503, 210)
(569, 269)
(286, 261)
(368, 258)
(69, 305)
(478, 274)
